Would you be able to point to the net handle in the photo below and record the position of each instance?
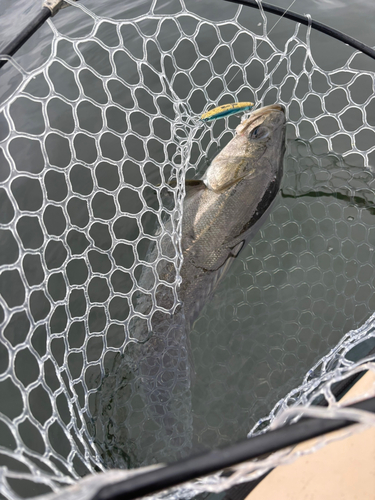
(323, 28)
(49, 9)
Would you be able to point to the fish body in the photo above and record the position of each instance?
(224, 210)
(226, 110)
(221, 213)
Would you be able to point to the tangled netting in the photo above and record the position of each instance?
(96, 368)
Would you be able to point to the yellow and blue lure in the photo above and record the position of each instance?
(226, 110)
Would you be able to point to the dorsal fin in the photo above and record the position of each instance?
(190, 184)
(193, 185)
(193, 182)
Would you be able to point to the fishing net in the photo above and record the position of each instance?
(96, 369)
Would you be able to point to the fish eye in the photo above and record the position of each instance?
(259, 132)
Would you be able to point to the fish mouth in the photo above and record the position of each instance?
(260, 113)
(266, 110)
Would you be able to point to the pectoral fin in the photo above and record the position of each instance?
(237, 248)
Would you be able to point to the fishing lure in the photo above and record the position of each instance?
(226, 110)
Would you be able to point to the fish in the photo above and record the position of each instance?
(226, 110)
(221, 213)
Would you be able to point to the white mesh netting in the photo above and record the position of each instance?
(90, 141)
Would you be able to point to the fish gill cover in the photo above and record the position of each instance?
(96, 144)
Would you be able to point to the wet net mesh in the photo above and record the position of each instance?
(96, 369)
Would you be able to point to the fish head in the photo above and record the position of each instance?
(259, 143)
